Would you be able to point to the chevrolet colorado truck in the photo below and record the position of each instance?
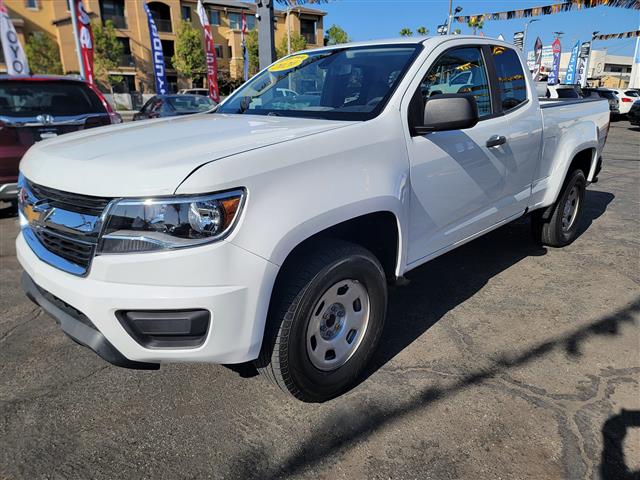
(268, 229)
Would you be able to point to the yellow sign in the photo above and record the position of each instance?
(288, 63)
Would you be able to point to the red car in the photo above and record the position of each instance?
(34, 108)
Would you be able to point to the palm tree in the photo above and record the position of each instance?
(475, 24)
(423, 31)
(406, 32)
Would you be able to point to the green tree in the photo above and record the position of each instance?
(189, 60)
(423, 31)
(336, 35)
(457, 31)
(251, 41)
(43, 54)
(298, 42)
(107, 51)
(406, 32)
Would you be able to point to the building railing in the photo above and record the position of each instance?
(126, 60)
(118, 20)
(163, 24)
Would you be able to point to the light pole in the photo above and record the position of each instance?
(451, 14)
(526, 28)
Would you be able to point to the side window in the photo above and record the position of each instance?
(511, 82)
(460, 70)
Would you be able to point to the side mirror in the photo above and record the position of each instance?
(449, 111)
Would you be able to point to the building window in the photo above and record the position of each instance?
(161, 13)
(251, 22)
(126, 60)
(113, 10)
(186, 13)
(168, 51)
(235, 21)
(32, 4)
(219, 51)
(214, 17)
(308, 30)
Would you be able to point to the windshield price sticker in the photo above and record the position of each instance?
(289, 63)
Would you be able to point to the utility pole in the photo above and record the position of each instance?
(451, 14)
(266, 43)
(524, 39)
(74, 22)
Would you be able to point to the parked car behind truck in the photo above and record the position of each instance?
(34, 108)
(269, 229)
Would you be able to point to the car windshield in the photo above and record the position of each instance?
(24, 98)
(191, 103)
(343, 84)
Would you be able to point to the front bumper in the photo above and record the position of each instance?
(9, 192)
(232, 284)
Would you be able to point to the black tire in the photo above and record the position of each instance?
(284, 357)
(547, 225)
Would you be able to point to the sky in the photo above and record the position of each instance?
(373, 19)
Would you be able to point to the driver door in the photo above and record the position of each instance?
(457, 181)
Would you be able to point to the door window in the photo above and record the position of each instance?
(511, 82)
(460, 70)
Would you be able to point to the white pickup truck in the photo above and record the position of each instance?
(268, 230)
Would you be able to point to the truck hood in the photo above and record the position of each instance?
(153, 157)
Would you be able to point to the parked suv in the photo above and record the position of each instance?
(35, 108)
(614, 103)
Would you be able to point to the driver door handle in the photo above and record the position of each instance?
(496, 141)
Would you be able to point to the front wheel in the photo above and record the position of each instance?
(560, 227)
(326, 320)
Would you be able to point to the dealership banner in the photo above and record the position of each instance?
(609, 36)
(549, 9)
(14, 57)
(157, 55)
(537, 66)
(556, 47)
(518, 40)
(210, 53)
(85, 34)
(571, 77)
(245, 53)
(583, 64)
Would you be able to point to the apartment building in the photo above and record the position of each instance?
(52, 18)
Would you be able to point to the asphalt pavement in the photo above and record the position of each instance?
(501, 359)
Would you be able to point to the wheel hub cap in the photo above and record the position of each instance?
(338, 323)
(570, 209)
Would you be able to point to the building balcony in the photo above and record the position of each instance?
(119, 21)
(163, 25)
(126, 60)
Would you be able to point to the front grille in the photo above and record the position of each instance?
(73, 202)
(67, 247)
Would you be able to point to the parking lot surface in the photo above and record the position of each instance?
(501, 359)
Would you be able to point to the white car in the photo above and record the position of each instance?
(270, 229)
(626, 98)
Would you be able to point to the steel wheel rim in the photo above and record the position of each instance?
(570, 209)
(338, 324)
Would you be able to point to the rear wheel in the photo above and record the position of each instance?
(325, 323)
(558, 225)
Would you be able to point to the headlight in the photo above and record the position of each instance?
(169, 223)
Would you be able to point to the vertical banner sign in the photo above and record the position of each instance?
(556, 48)
(245, 54)
(210, 53)
(570, 77)
(537, 66)
(518, 40)
(583, 64)
(14, 56)
(156, 54)
(85, 34)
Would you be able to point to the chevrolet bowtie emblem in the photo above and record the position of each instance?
(36, 213)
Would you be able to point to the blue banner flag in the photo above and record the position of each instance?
(571, 77)
(157, 55)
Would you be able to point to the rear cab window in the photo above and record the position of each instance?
(511, 83)
(25, 98)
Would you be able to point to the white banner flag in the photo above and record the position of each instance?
(14, 57)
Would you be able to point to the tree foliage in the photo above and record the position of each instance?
(475, 24)
(251, 41)
(336, 35)
(43, 54)
(424, 31)
(107, 51)
(406, 32)
(298, 42)
(189, 59)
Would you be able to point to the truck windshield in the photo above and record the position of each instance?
(343, 84)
